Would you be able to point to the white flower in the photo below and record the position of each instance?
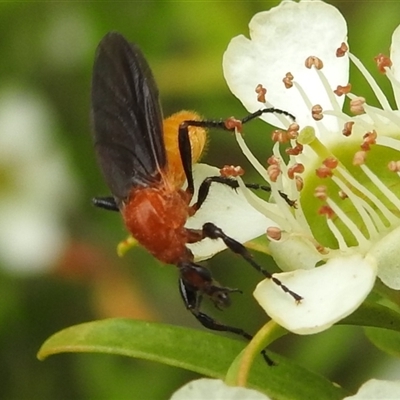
(377, 390)
(342, 170)
(214, 389)
(226, 208)
(37, 185)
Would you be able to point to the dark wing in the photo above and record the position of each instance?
(127, 118)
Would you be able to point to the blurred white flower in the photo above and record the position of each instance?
(36, 184)
(377, 390)
(215, 389)
(342, 170)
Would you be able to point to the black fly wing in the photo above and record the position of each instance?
(127, 118)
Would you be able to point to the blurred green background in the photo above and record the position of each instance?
(58, 264)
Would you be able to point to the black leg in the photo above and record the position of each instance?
(192, 299)
(108, 203)
(185, 151)
(213, 232)
(256, 186)
(204, 188)
(221, 124)
(267, 111)
(232, 183)
(184, 141)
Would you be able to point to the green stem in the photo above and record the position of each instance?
(238, 373)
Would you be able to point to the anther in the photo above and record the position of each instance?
(383, 62)
(324, 172)
(316, 112)
(274, 233)
(342, 50)
(357, 106)
(293, 130)
(294, 151)
(233, 124)
(341, 90)
(331, 162)
(273, 172)
(299, 183)
(342, 195)
(320, 192)
(394, 166)
(360, 157)
(313, 61)
(347, 129)
(327, 211)
(231, 171)
(261, 92)
(295, 169)
(321, 249)
(280, 136)
(273, 160)
(368, 139)
(288, 80)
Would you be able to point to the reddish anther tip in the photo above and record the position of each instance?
(342, 50)
(231, 171)
(233, 124)
(383, 62)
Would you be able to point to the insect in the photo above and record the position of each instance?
(145, 164)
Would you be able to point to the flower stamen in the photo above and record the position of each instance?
(288, 80)
(383, 63)
(357, 105)
(391, 218)
(261, 92)
(333, 100)
(320, 192)
(337, 234)
(295, 169)
(372, 232)
(347, 129)
(316, 112)
(274, 233)
(342, 50)
(341, 90)
(371, 81)
(351, 226)
(313, 61)
(394, 166)
(231, 171)
(381, 186)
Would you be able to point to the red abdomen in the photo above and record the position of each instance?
(155, 216)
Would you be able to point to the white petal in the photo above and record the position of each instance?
(215, 389)
(387, 254)
(375, 389)
(330, 293)
(226, 208)
(281, 40)
(395, 57)
(294, 252)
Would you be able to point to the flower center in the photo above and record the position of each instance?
(349, 177)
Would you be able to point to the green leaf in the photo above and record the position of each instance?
(382, 326)
(385, 340)
(203, 352)
(374, 315)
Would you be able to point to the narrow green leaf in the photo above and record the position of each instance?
(381, 326)
(203, 352)
(385, 340)
(374, 315)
